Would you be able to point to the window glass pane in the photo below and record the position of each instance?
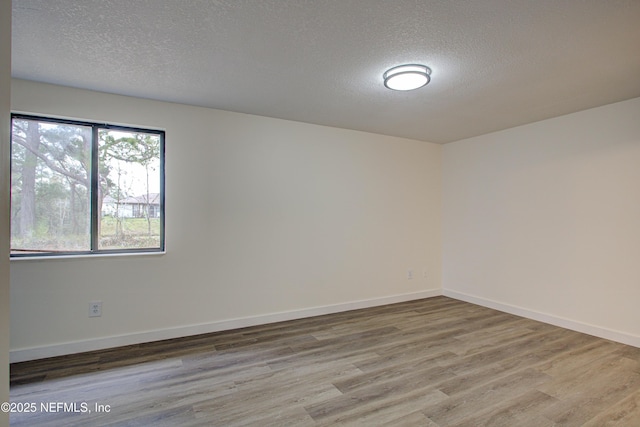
(50, 187)
(129, 190)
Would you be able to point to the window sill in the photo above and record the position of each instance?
(69, 257)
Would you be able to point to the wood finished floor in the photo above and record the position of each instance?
(432, 362)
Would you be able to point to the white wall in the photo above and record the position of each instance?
(5, 96)
(264, 216)
(544, 220)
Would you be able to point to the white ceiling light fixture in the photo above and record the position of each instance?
(407, 77)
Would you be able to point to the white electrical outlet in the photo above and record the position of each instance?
(95, 309)
(425, 275)
(409, 274)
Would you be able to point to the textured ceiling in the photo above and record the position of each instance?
(496, 63)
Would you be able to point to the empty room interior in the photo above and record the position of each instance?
(234, 213)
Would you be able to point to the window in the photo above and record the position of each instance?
(84, 188)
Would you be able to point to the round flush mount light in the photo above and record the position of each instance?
(407, 77)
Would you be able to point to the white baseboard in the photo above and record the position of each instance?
(610, 334)
(33, 353)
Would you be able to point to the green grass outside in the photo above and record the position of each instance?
(135, 234)
(130, 226)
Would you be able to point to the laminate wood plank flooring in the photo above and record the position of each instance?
(434, 362)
